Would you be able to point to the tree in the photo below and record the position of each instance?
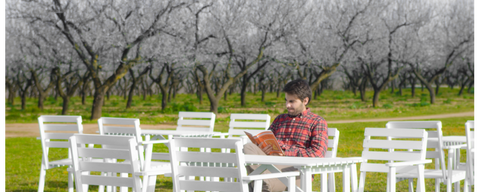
(90, 27)
(71, 80)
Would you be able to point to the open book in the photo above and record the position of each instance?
(266, 138)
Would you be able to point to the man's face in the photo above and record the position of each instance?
(294, 105)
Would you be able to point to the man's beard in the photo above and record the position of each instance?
(295, 113)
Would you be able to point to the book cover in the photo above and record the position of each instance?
(266, 138)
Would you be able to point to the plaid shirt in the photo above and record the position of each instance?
(303, 136)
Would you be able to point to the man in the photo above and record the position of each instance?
(300, 133)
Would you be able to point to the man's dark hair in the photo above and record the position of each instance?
(300, 88)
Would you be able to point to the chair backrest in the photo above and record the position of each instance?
(333, 136)
(55, 131)
(469, 133)
(205, 164)
(252, 123)
(120, 147)
(434, 144)
(405, 145)
(122, 126)
(196, 121)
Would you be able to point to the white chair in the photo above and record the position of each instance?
(56, 136)
(333, 136)
(252, 123)
(209, 164)
(196, 121)
(469, 164)
(441, 173)
(118, 148)
(131, 127)
(405, 152)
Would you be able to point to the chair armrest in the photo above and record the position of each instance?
(406, 163)
(270, 176)
(153, 142)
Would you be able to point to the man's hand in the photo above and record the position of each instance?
(268, 149)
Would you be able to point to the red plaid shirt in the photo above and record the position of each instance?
(303, 136)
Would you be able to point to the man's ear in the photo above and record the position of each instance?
(305, 101)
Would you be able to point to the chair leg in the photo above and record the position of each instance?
(257, 187)
(421, 178)
(70, 181)
(361, 184)
(410, 185)
(437, 185)
(392, 179)
(291, 184)
(152, 180)
(331, 182)
(41, 182)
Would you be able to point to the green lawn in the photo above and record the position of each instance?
(23, 157)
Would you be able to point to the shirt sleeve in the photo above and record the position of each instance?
(315, 147)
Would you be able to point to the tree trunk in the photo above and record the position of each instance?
(98, 100)
(412, 85)
(363, 87)
(437, 86)
(243, 91)
(41, 98)
(200, 95)
(462, 86)
(130, 94)
(432, 93)
(470, 86)
(65, 105)
(400, 90)
(376, 94)
(263, 87)
(24, 100)
(214, 105)
(393, 86)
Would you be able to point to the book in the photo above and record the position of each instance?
(266, 138)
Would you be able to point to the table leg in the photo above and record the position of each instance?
(346, 178)
(324, 182)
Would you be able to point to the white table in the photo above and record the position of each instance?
(309, 166)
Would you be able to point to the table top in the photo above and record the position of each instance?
(301, 161)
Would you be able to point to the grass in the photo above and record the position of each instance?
(332, 105)
(23, 155)
(23, 158)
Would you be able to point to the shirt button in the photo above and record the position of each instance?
(289, 129)
(294, 119)
(287, 139)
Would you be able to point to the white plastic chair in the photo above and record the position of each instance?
(131, 127)
(56, 136)
(333, 136)
(394, 156)
(469, 164)
(209, 164)
(252, 123)
(119, 148)
(196, 121)
(441, 173)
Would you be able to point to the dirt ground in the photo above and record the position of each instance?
(31, 129)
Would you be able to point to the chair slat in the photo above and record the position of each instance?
(381, 132)
(414, 124)
(249, 116)
(58, 118)
(58, 135)
(194, 122)
(206, 157)
(209, 186)
(106, 167)
(209, 171)
(249, 124)
(397, 144)
(374, 167)
(57, 144)
(205, 143)
(60, 127)
(91, 139)
(119, 121)
(116, 129)
(397, 155)
(112, 181)
(196, 114)
(103, 153)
